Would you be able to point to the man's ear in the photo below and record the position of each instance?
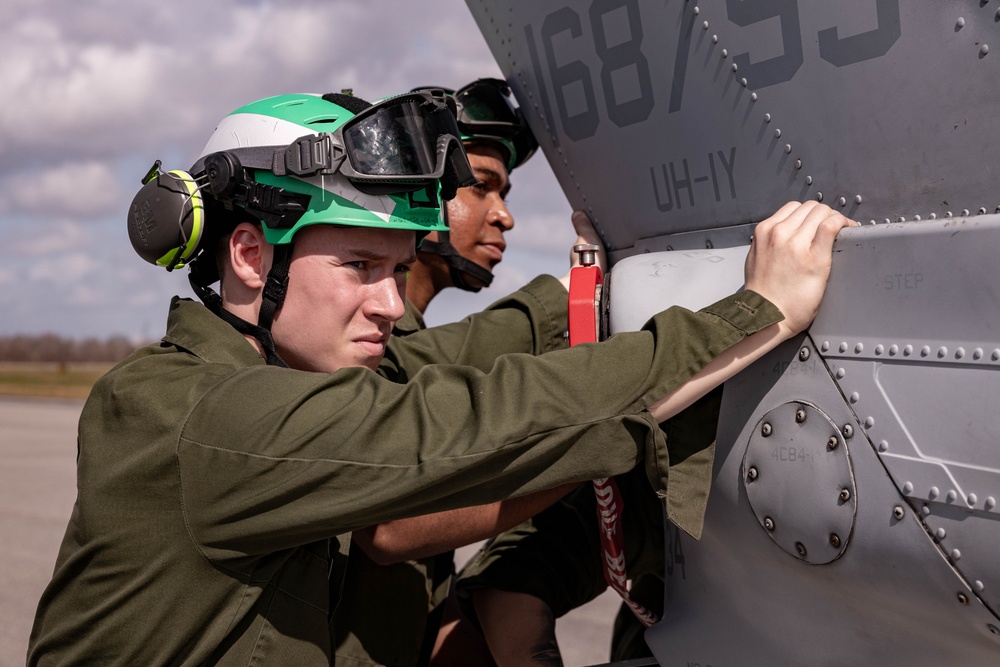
(250, 255)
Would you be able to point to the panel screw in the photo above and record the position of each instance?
(800, 416)
(832, 442)
(963, 598)
(801, 548)
(768, 523)
(845, 494)
(834, 540)
(765, 430)
(898, 513)
(752, 474)
(848, 430)
(803, 354)
(994, 629)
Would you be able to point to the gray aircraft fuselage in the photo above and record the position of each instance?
(853, 516)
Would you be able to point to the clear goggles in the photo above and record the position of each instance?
(485, 110)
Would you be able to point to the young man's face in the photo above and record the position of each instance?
(478, 215)
(346, 289)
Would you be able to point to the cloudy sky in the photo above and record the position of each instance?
(94, 92)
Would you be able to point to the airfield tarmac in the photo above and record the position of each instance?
(37, 490)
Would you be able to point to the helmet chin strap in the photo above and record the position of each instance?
(460, 267)
(273, 295)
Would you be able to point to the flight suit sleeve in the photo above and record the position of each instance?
(272, 458)
(532, 320)
(556, 555)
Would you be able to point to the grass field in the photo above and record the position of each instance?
(49, 380)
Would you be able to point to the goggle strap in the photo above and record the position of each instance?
(311, 154)
(254, 157)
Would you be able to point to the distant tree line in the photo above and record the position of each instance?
(53, 348)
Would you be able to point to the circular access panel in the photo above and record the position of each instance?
(798, 479)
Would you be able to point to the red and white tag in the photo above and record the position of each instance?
(583, 318)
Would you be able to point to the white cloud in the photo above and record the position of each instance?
(74, 98)
(63, 270)
(95, 91)
(81, 189)
(45, 241)
(112, 78)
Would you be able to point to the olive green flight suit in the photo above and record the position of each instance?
(211, 486)
(556, 555)
(390, 614)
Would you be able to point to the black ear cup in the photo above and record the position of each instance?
(224, 173)
(167, 219)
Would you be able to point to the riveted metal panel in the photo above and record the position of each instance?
(667, 117)
(799, 482)
(891, 598)
(922, 292)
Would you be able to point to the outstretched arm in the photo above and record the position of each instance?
(431, 534)
(789, 265)
(427, 535)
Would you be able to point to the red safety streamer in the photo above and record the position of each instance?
(583, 283)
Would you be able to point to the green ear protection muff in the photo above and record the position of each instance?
(167, 218)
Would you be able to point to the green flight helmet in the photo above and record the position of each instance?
(292, 161)
(386, 165)
(296, 160)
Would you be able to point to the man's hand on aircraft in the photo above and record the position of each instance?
(790, 258)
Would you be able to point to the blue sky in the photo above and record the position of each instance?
(95, 92)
